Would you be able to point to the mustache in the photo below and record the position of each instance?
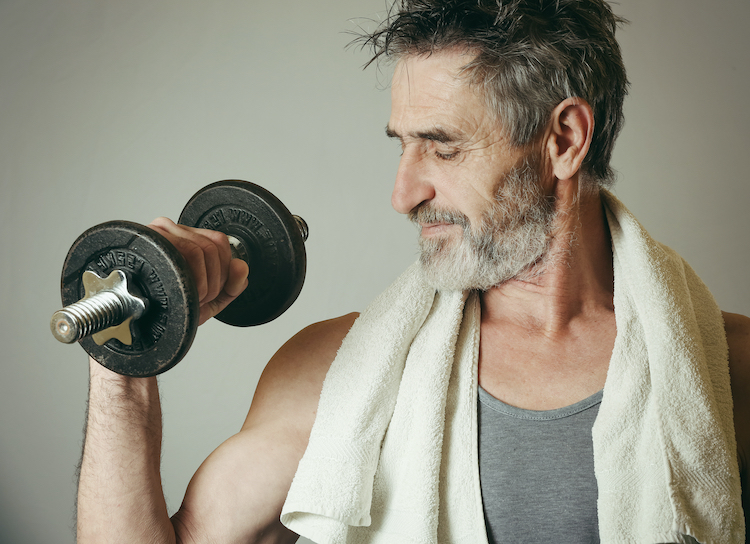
(426, 213)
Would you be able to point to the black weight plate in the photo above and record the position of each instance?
(163, 335)
(272, 239)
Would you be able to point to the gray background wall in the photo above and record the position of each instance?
(125, 109)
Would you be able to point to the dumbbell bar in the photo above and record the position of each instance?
(129, 296)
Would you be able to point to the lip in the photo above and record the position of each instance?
(433, 229)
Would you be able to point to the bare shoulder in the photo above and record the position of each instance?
(292, 380)
(737, 328)
(738, 337)
(238, 492)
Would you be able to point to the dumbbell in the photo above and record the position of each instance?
(130, 299)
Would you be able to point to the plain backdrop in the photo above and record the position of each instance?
(122, 110)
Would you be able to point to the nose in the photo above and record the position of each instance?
(412, 186)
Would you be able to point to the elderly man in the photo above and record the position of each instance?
(546, 372)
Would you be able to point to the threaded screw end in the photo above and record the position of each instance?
(87, 316)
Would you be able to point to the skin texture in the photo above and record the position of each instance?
(546, 339)
(237, 493)
(559, 324)
(738, 337)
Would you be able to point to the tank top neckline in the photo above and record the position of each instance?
(538, 415)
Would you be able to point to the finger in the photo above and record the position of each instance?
(224, 254)
(220, 279)
(192, 253)
(237, 279)
(207, 253)
(214, 307)
(217, 254)
(214, 273)
(234, 287)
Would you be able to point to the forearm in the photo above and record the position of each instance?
(120, 498)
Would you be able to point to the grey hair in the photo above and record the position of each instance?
(530, 56)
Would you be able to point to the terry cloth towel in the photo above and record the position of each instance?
(392, 456)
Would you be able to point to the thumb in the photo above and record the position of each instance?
(236, 283)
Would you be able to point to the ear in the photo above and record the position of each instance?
(569, 136)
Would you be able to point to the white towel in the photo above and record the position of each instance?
(665, 453)
(392, 456)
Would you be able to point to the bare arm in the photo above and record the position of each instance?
(237, 494)
(120, 498)
(120, 479)
(738, 337)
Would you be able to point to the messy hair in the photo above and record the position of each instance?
(530, 56)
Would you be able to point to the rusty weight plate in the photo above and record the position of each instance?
(158, 272)
(273, 246)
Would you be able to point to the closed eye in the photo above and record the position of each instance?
(446, 156)
(433, 136)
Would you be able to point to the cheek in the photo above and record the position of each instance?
(478, 188)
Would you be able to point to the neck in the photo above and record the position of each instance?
(574, 280)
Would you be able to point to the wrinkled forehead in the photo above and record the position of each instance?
(437, 69)
(435, 80)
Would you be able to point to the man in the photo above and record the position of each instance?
(507, 113)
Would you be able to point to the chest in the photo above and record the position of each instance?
(537, 472)
(538, 371)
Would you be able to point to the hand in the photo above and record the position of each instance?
(219, 278)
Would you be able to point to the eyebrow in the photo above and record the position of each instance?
(435, 134)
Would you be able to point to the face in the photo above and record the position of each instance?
(479, 202)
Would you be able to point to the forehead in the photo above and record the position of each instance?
(431, 89)
(439, 69)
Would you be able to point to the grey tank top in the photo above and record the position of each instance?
(536, 469)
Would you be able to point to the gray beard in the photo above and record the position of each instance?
(513, 235)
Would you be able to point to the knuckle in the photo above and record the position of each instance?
(220, 243)
(193, 252)
(163, 220)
